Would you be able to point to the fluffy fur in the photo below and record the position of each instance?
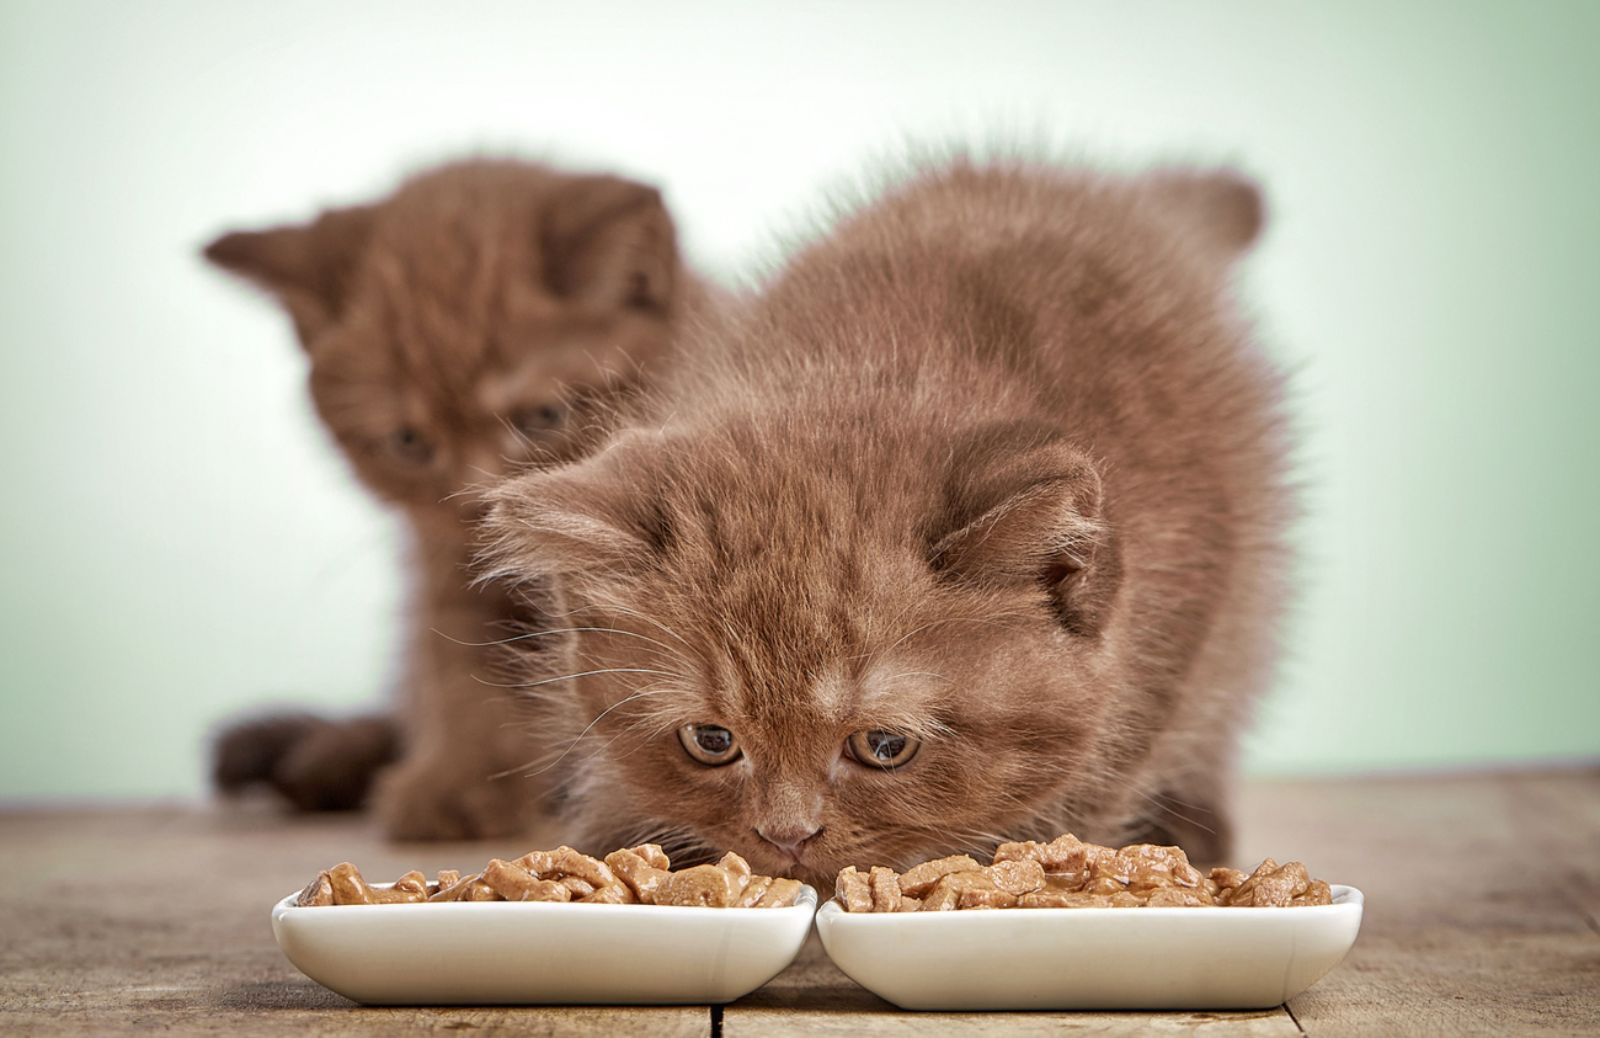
(488, 316)
(994, 464)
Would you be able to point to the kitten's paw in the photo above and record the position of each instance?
(333, 766)
(314, 763)
(420, 800)
(248, 752)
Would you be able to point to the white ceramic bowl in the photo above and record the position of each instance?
(1092, 958)
(492, 952)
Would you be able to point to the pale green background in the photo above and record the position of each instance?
(179, 542)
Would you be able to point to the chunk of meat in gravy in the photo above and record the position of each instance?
(781, 893)
(1145, 866)
(853, 890)
(886, 893)
(705, 886)
(642, 877)
(1066, 855)
(919, 879)
(1279, 886)
(754, 890)
(512, 882)
(1017, 877)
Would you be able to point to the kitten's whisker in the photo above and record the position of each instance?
(469, 489)
(649, 620)
(1161, 796)
(579, 674)
(539, 634)
(916, 674)
(645, 694)
(524, 438)
(605, 747)
(1176, 814)
(934, 623)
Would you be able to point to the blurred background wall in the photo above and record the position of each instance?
(178, 542)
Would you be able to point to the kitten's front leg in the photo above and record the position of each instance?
(432, 797)
(463, 775)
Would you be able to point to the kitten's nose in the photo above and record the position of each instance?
(790, 838)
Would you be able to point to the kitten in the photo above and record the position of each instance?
(971, 528)
(487, 315)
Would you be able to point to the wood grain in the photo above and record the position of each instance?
(1483, 917)
(1563, 811)
(1471, 926)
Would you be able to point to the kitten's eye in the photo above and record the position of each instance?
(710, 744)
(541, 418)
(410, 445)
(881, 749)
(639, 295)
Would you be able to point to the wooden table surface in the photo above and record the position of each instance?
(1482, 917)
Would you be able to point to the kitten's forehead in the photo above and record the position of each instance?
(800, 580)
(829, 692)
(858, 689)
(460, 352)
(834, 692)
(450, 278)
(842, 697)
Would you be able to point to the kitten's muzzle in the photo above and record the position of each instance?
(789, 839)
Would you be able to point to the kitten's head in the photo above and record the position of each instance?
(483, 317)
(781, 667)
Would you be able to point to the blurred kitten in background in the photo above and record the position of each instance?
(488, 315)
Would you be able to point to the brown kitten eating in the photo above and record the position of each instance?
(971, 529)
(488, 315)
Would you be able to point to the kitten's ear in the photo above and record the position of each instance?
(309, 267)
(1222, 209)
(1032, 515)
(608, 243)
(594, 518)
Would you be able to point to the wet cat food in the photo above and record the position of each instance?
(1068, 873)
(634, 876)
